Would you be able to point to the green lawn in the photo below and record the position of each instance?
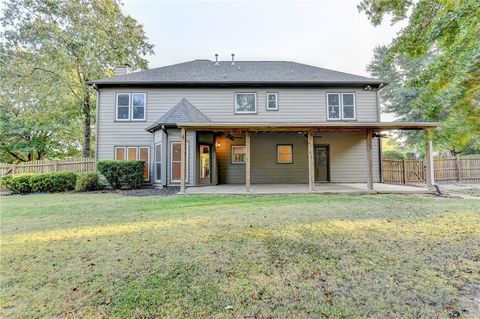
(106, 255)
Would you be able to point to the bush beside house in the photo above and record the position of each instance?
(88, 182)
(122, 174)
(53, 182)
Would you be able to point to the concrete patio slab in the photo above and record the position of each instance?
(326, 188)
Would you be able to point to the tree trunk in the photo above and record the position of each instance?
(86, 123)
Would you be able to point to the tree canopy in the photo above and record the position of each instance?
(49, 50)
(432, 66)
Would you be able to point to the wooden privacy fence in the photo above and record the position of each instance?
(446, 170)
(79, 165)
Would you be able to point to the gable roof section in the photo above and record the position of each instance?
(183, 112)
(207, 73)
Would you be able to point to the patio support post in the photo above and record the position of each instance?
(183, 147)
(430, 177)
(311, 166)
(369, 160)
(247, 161)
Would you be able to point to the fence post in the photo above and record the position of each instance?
(404, 169)
(457, 166)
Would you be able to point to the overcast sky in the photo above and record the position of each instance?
(330, 34)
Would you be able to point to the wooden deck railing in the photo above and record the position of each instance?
(79, 165)
(446, 170)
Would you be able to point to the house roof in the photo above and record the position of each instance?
(182, 112)
(208, 73)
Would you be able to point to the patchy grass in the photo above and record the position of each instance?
(105, 255)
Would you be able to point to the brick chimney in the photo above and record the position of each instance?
(122, 69)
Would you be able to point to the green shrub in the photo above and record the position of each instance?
(53, 182)
(394, 154)
(5, 181)
(18, 184)
(122, 174)
(88, 182)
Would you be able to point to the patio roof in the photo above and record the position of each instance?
(333, 126)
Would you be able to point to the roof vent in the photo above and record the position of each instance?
(233, 58)
(216, 59)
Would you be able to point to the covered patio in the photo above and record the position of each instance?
(326, 188)
(368, 129)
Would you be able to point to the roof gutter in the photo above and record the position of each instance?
(235, 84)
(317, 126)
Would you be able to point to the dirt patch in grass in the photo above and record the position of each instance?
(469, 302)
(150, 191)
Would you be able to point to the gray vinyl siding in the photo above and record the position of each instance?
(229, 173)
(348, 162)
(348, 156)
(264, 166)
(295, 105)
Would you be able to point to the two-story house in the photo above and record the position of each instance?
(243, 122)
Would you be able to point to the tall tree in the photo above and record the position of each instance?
(433, 66)
(70, 42)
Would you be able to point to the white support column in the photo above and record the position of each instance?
(247, 161)
(183, 147)
(368, 140)
(430, 176)
(311, 164)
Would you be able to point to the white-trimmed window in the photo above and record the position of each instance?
(138, 106)
(123, 106)
(341, 106)
(158, 162)
(176, 161)
(272, 101)
(246, 103)
(131, 106)
(284, 154)
(132, 153)
(239, 154)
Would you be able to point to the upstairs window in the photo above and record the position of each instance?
(138, 106)
(272, 101)
(245, 103)
(131, 107)
(341, 106)
(123, 106)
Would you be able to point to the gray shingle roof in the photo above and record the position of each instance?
(183, 112)
(206, 72)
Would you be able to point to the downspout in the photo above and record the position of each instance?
(165, 147)
(380, 163)
(380, 160)
(97, 105)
